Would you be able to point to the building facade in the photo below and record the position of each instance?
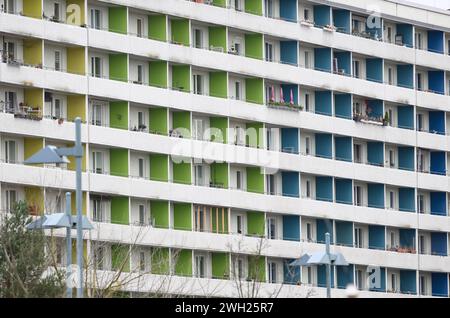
(223, 139)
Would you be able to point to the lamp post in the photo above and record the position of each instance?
(320, 258)
(52, 154)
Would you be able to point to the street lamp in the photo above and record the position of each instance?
(51, 155)
(322, 258)
(58, 221)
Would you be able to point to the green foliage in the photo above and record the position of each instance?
(24, 264)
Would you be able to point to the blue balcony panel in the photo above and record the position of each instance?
(323, 100)
(343, 105)
(375, 195)
(290, 184)
(344, 191)
(324, 189)
(289, 140)
(405, 117)
(324, 146)
(291, 228)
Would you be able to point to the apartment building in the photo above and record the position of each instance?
(212, 127)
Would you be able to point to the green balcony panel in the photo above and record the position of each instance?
(157, 27)
(254, 7)
(255, 133)
(120, 210)
(181, 121)
(120, 258)
(159, 167)
(255, 223)
(220, 265)
(219, 220)
(158, 121)
(32, 8)
(160, 262)
(254, 46)
(219, 126)
(182, 216)
(255, 180)
(117, 19)
(160, 214)
(181, 77)
(220, 3)
(183, 262)
(118, 162)
(218, 83)
(219, 175)
(158, 74)
(257, 268)
(118, 67)
(218, 38)
(118, 115)
(180, 31)
(254, 90)
(182, 172)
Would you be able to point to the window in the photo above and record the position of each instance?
(198, 132)
(358, 195)
(308, 189)
(198, 84)
(269, 52)
(238, 180)
(271, 184)
(10, 102)
(422, 285)
(237, 90)
(9, 51)
(9, 6)
(199, 175)
(391, 117)
(390, 76)
(418, 41)
(419, 81)
(420, 161)
(237, 5)
(308, 146)
(268, 4)
(421, 203)
(240, 268)
(10, 151)
(95, 19)
(200, 219)
(57, 109)
(309, 275)
(272, 228)
(57, 61)
(141, 166)
(142, 214)
(56, 11)
(359, 238)
(97, 162)
(391, 158)
(391, 200)
(357, 153)
(393, 239)
(139, 28)
(200, 266)
(389, 34)
(97, 213)
(272, 266)
(140, 74)
(99, 256)
(307, 59)
(141, 120)
(142, 261)
(306, 15)
(239, 224)
(11, 200)
(357, 108)
(420, 122)
(356, 69)
(394, 282)
(359, 279)
(309, 233)
(198, 38)
(307, 105)
(97, 114)
(96, 66)
(421, 244)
